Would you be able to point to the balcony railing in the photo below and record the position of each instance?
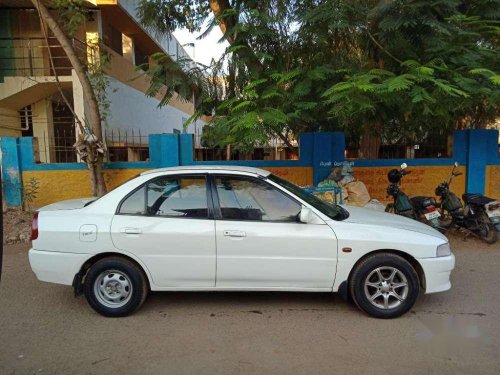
(30, 56)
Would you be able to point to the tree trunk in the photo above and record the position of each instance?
(370, 142)
(226, 23)
(286, 141)
(98, 186)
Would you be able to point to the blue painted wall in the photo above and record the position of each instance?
(473, 148)
(11, 172)
(482, 150)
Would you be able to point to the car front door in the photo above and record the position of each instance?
(168, 224)
(260, 242)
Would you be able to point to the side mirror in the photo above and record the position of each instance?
(455, 164)
(404, 166)
(305, 214)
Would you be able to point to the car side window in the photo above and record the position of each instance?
(177, 197)
(253, 200)
(169, 196)
(135, 203)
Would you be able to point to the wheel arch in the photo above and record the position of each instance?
(79, 278)
(409, 258)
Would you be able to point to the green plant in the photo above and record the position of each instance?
(364, 67)
(30, 193)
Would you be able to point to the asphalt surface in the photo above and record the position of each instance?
(45, 330)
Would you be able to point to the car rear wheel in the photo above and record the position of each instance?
(115, 287)
(384, 285)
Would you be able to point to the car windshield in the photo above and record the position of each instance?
(332, 211)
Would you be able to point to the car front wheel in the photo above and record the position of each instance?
(384, 285)
(115, 287)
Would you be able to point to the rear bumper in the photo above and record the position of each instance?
(437, 273)
(54, 267)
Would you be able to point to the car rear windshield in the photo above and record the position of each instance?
(332, 211)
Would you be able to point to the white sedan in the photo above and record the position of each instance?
(233, 228)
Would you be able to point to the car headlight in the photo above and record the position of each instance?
(443, 250)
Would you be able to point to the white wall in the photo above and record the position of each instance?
(169, 44)
(131, 109)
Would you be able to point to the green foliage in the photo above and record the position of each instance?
(319, 65)
(72, 14)
(30, 193)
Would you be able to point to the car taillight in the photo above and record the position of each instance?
(34, 226)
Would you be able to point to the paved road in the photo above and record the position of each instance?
(43, 329)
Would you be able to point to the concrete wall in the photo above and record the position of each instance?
(422, 180)
(131, 109)
(168, 43)
(319, 152)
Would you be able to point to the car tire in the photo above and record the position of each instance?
(384, 285)
(115, 287)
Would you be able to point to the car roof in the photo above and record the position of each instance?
(210, 168)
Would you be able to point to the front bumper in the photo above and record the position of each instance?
(54, 267)
(437, 273)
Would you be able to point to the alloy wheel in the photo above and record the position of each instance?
(386, 287)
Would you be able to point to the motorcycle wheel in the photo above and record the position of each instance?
(390, 208)
(487, 231)
(445, 221)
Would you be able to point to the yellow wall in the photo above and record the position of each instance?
(71, 184)
(301, 176)
(60, 185)
(492, 183)
(422, 180)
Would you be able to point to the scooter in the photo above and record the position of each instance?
(480, 215)
(420, 208)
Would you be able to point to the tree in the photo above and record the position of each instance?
(89, 145)
(374, 69)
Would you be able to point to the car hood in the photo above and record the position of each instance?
(371, 217)
(71, 204)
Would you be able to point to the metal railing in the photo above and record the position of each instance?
(127, 145)
(55, 149)
(123, 144)
(30, 56)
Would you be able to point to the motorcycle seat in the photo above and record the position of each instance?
(423, 201)
(477, 199)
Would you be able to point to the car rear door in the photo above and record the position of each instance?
(260, 242)
(168, 223)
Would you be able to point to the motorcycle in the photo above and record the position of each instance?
(420, 208)
(480, 215)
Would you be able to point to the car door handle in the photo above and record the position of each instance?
(131, 230)
(234, 233)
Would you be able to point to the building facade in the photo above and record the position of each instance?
(31, 103)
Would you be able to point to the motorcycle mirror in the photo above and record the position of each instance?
(404, 165)
(456, 164)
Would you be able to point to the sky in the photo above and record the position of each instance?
(204, 50)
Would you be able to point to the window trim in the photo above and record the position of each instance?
(210, 204)
(217, 208)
